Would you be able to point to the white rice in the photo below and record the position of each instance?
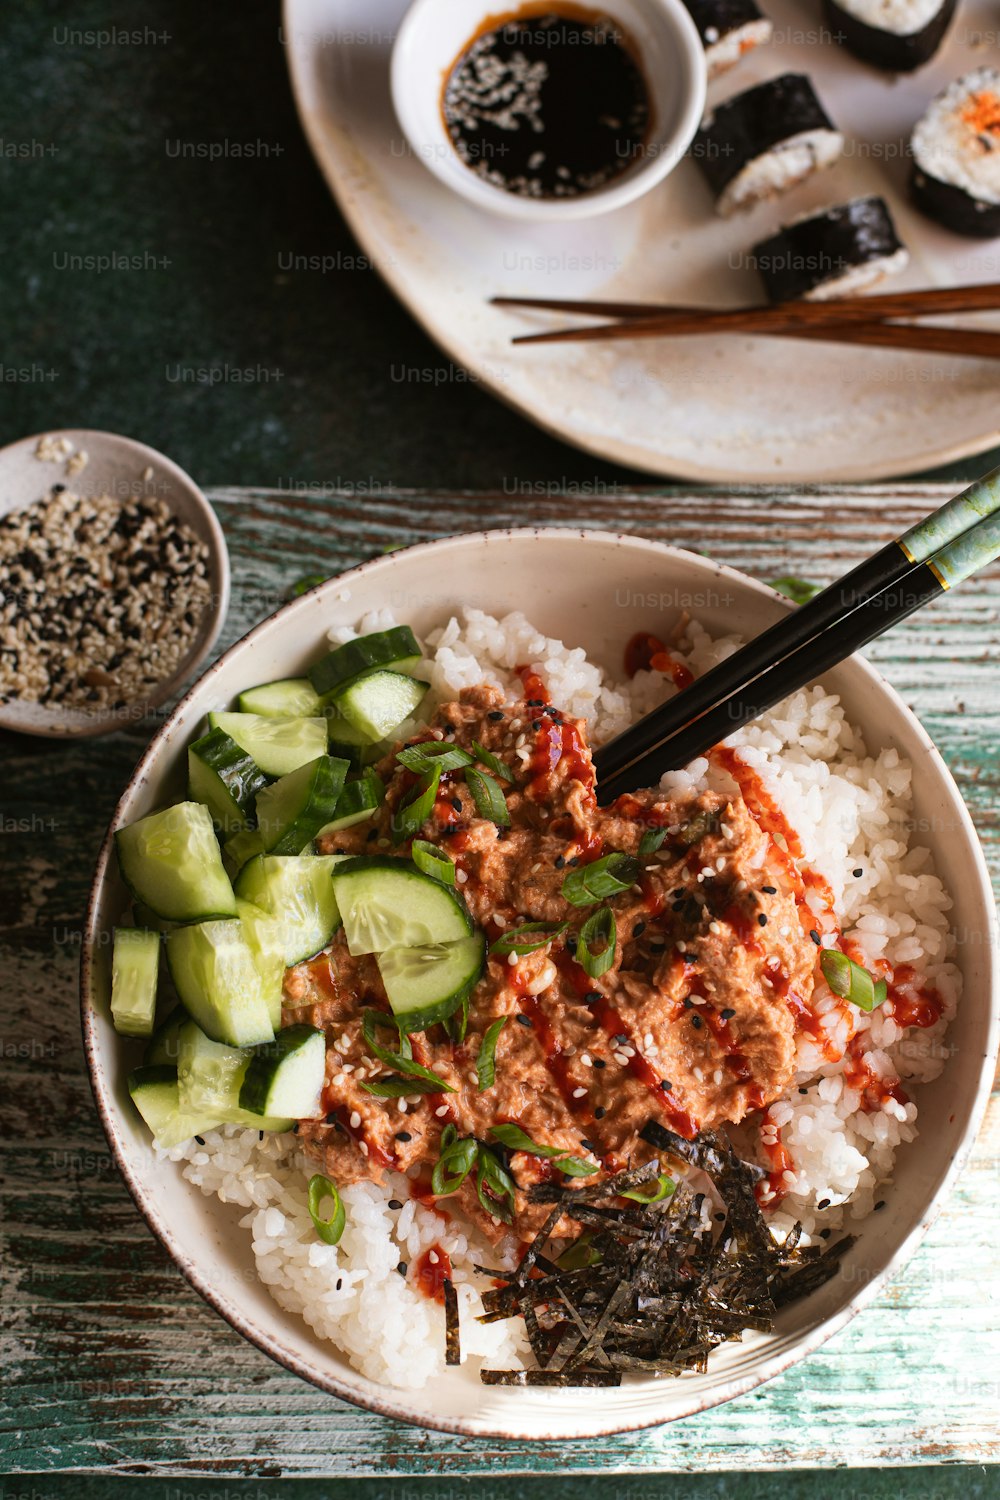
(851, 810)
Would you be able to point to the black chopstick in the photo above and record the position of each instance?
(672, 736)
(888, 567)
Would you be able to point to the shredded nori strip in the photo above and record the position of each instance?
(670, 1284)
(452, 1336)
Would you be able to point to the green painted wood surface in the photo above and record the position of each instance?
(112, 1365)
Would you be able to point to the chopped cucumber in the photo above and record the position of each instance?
(135, 964)
(157, 1098)
(285, 1077)
(378, 704)
(277, 745)
(170, 862)
(214, 973)
(291, 812)
(164, 1045)
(358, 801)
(240, 848)
(264, 934)
(397, 648)
(296, 890)
(427, 985)
(143, 917)
(293, 698)
(209, 1074)
(225, 778)
(387, 903)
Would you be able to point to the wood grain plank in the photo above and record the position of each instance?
(113, 1365)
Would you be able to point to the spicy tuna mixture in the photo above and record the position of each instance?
(691, 1025)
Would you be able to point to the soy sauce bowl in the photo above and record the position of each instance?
(435, 33)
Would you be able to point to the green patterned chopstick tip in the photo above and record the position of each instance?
(976, 548)
(945, 526)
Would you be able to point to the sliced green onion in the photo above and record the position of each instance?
(605, 877)
(486, 1059)
(580, 1255)
(401, 1061)
(528, 938)
(652, 1192)
(330, 1229)
(489, 799)
(799, 590)
(492, 762)
(701, 825)
(456, 1024)
(516, 1139)
(457, 1159)
(601, 931)
(495, 1187)
(432, 861)
(395, 1087)
(411, 817)
(651, 841)
(431, 754)
(575, 1166)
(850, 981)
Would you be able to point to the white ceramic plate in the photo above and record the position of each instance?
(587, 588)
(121, 467)
(735, 408)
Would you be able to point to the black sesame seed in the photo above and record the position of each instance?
(201, 1141)
(340, 1282)
(638, 929)
(815, 937)
(571, 945)
(575, 860)
(880, 1204)
(666, 1085)
(727, 1014)
(823, 1203)
(620, 1040)
(688, 1003)
(403, 1135)
(456, 803)
(395, 1203)
(592, 997)
(762, 919)
(559, 861)
(857, 873)
(535, 702)
(496, 715)
(372, 834)
(825, 1234)
(536, 724)
(676, 895)
(803, 1091)
(719, 1217)
(401, 1268)
(599, 1062)
(589, 1146)
(696, 1022)
(600, 1112)
(769, 890)
(524, 1021)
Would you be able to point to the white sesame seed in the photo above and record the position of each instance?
(720, 863)
(579, 1093)
(699, 1074)
(535, 868)
(461, 876)
(501, 921)
(340, 1080)
(355, 1119)
(512, 959)
(347, 1068)
(441, 1111)
(586, 1059)
(788, 1176)
(621, 1059)
(568, 1051)
(647, 1040)
(714, 927)
(740, 886)
(727, 832)
(651, 867)
(402, 1106)
(717, 1076)
(433, 1257)
(363, 1147)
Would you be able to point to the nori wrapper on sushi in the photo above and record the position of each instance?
(719, 20)
(825, 247)
(953, 207)
(894, 51)
(958, 138)
(750, 124)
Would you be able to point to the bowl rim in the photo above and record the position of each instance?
(667, 15)
(220, 579)
(392, 1403)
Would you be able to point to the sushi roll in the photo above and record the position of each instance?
(833, 253)
(728, 29)
(955, 177)
(764, 141)
(898, 35)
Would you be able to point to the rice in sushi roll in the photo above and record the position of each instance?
(764, 141)
(956, 156)
(832, 253)
(898, 35)
(728, 29)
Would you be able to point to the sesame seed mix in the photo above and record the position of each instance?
(100, 599)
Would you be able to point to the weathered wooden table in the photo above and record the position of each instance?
(113, 1366)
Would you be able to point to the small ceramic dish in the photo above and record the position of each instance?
(433, 36)
(572, 585)
(98, 463)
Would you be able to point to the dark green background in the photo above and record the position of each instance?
(86, 170)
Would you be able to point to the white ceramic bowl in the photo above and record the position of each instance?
(121, 467)
(591, 589)
(435, 32)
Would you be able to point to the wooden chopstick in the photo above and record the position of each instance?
(983, 297)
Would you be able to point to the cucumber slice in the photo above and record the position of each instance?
(225, 778)
(292, 698)
(171, 863)
(277, 745)
(296, 890)
(378, 704)
(387, 903)
(143, 917)
(291, 812)
(397, 648)
(286, 1076)
(156, 1096)
(427, 985)
(358, 801)
(164, 1045)
(243, 846)
(264, 934)
(216, 978)
(209, 1074)
(135, 963)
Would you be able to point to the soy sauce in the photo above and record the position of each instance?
(548, 103)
